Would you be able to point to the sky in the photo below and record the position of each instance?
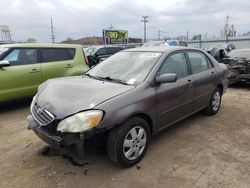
(82, 18)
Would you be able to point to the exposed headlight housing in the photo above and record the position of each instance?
(80, 122)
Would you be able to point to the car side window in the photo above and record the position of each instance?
(101, 51)
(175, 63)
(110, 51)
(57, 54)
(210, 64)
(198, 62)
(22, 56)
(115, 50)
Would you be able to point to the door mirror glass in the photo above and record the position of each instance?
(166, 78)
(4, 63)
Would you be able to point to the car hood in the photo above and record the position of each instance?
(66, 96)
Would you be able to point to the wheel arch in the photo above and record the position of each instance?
(220, 86)
(147, 118)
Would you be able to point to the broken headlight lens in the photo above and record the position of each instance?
(80, 122)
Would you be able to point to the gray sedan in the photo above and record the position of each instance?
(129, 97)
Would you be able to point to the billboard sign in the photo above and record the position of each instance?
(115, 36)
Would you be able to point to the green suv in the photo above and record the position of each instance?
(23, 67)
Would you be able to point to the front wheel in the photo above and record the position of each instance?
(214, 103)
(128, 142)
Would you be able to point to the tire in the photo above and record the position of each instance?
(214, 103)
(137, 145)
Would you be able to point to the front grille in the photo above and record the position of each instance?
(41, 115)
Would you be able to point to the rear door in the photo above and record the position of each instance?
(57, 62)
(22, 77)
(174, 100)
(204, 78)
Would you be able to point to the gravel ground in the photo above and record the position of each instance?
(200, 151)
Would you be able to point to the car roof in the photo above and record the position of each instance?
(41, 45)
(161, 49)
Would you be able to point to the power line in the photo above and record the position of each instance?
(145, 21)
(52, 31)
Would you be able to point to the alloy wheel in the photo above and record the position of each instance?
(134, 143)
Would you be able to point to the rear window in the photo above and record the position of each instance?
(57, 54)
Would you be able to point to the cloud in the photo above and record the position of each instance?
(81, 18)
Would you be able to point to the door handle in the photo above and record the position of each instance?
(212, 73)
(69, 66)
(34, 71)
(190, 82)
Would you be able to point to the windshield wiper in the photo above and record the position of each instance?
(114, 80)
(94, 77)
(107, 78)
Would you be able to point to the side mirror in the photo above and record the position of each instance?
(4, 63)
(166, 78)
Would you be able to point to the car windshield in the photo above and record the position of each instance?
(129, 67)
(240, 54)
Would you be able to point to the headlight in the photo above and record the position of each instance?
(33, 102)
(80, 122)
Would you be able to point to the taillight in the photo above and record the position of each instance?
(85, 58)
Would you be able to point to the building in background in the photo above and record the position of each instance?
(228, 30)
(96, 40)
(246, 34)
(85, 41)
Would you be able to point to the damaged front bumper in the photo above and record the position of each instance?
(73, 142)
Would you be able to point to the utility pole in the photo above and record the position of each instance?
(159, 34)
(187, 35)
(145, 21)
(52, 31)
(111, 26)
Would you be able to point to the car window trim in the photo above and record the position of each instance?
(211, 63)
(172, 53)
(190, 50)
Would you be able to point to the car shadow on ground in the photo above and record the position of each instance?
(245, 86)
(14, 105)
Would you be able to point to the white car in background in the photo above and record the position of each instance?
(165, 43)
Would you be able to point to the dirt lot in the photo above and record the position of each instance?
(198, 152)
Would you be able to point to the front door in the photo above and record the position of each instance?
(22, 77)
(174, 100)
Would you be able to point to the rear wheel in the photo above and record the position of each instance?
(128, 142)
(214, 103)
